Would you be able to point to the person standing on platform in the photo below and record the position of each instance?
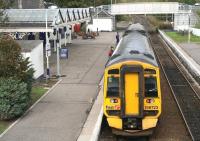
(111, 51)
(117, 38)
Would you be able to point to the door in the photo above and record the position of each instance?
(132, 94)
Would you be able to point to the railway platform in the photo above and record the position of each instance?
(187, 53)
(61, 114)
(192, 49)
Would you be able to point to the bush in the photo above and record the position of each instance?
(165, 25)
(16, 77)
(14, 98)
(12, 62)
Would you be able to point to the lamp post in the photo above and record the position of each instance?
(48, 50)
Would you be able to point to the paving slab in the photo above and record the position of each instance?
(60, 115)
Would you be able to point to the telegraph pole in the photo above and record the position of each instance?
(189, 36)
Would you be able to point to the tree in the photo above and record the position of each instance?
(16, 71)
(79, 3)
(4, 4)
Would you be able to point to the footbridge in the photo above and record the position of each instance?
(182, 15)
(147, 8)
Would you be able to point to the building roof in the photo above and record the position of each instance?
(73, 14)
(29, 45)
(34, 20)
(33, 16)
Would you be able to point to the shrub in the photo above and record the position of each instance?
(16, 77)
(12, 62)
(14, 98)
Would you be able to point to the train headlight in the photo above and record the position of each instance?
(113, 100)
(150, 100)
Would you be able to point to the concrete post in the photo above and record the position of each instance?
(20, 4)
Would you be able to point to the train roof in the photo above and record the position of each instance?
(133, 46)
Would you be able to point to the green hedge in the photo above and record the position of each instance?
(14, 98)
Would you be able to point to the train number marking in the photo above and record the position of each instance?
(151, 107)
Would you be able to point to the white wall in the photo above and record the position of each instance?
(36, 58)
(195, 31)
(101, 24)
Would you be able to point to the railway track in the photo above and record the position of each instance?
(184, 94)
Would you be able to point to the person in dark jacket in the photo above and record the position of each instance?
(117, 38)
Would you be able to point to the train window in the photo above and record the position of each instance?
(151, 87)
(149, 71)
(113, 86)
(113, 71)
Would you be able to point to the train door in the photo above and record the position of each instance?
(131, 94)
(132, 85)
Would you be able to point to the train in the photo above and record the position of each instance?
(132, 91)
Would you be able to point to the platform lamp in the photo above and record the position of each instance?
(60, 32)
(58, 57)
(55, 33)
(48, 49)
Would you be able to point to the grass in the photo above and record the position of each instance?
(4, 125)
(183, 38)
(36, 93)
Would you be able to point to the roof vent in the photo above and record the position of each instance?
(134, 52)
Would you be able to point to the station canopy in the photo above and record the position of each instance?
(72, 15)
(34, 20)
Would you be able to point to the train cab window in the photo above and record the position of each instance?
(113, 86)
(151, 87)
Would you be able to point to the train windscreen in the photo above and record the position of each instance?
(151, 87)
(113, 87)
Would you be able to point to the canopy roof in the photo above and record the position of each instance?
(36, 18)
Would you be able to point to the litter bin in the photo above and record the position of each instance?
(64, 53)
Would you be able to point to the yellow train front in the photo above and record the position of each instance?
(132, 94)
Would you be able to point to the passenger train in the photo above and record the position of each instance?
(132, 93)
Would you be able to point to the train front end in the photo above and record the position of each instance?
(132, 98)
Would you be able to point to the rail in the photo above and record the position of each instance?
(185, 96)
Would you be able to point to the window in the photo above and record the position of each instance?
(113, 86)
(151, 87)
(113, 71)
